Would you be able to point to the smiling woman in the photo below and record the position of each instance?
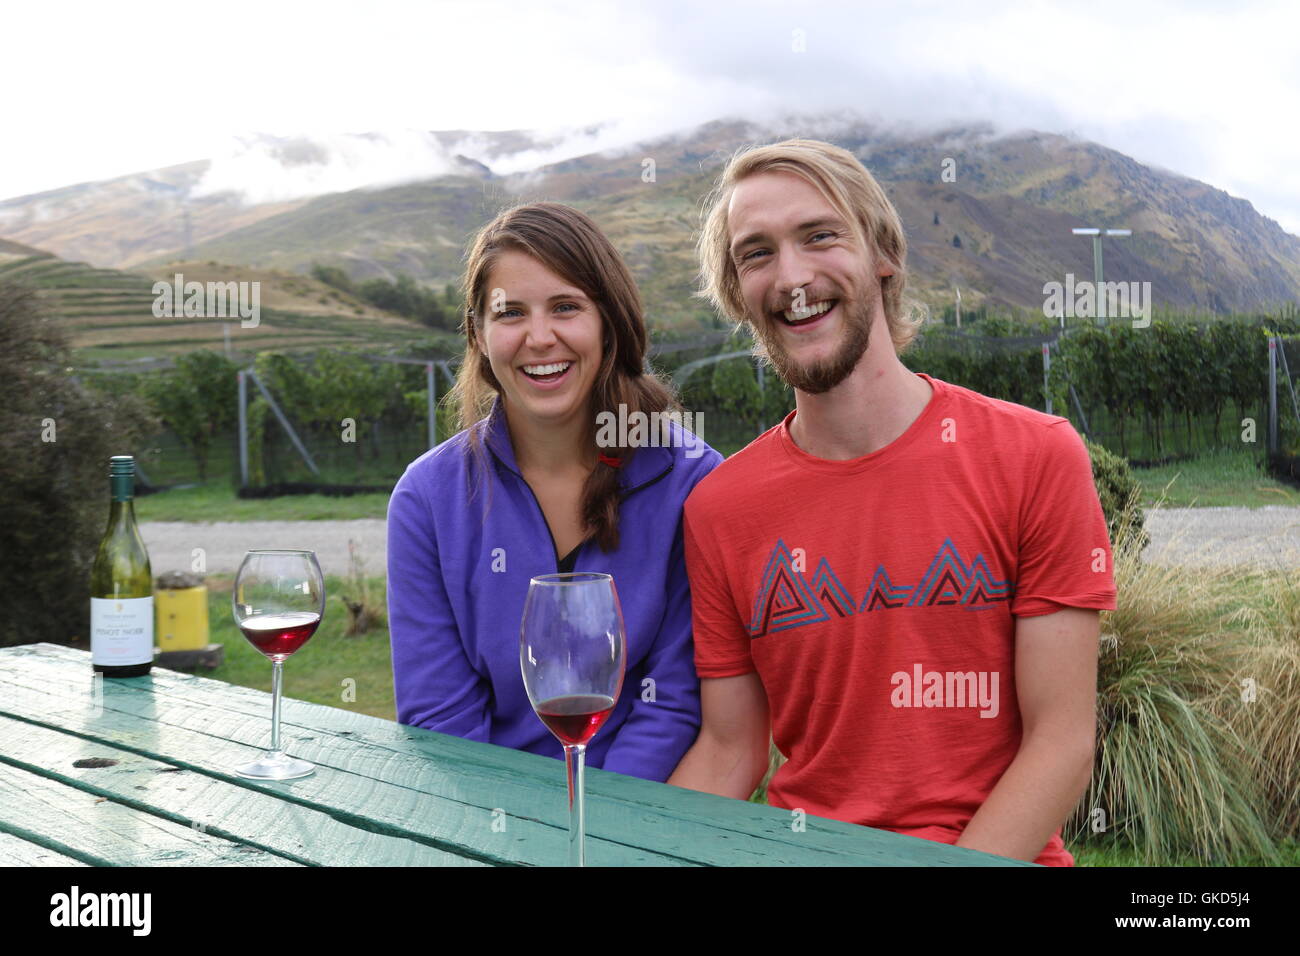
(555, 342)
(544, 348)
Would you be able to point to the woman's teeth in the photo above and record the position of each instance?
(546, 371)
(808, 312)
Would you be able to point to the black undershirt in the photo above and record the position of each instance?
(567, 562)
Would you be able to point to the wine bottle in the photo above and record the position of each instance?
(121, 585)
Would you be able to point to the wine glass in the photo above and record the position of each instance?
(573, 652)
(278, 598)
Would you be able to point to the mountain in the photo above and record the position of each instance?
(8, 248)
(124, 221)
(1199, 247)
(1004, 223)
(998, 231)
(163, 213)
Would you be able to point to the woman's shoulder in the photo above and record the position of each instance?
(447, 460)
(691, 456)
(698, 461)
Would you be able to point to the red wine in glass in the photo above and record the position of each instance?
(573, 656)
(278, 600)
(575, 718)
(279, 635)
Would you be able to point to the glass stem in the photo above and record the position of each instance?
(276, 667)
(574, 760)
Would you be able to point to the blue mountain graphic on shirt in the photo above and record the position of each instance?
(786, 599)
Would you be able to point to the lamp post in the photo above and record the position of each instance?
(1097, 235)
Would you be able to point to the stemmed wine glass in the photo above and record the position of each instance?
(573, 652)
(278, 599)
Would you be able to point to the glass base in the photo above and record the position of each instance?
(276, 766)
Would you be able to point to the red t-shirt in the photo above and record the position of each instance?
(877, 597)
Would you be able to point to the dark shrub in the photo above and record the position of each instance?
(53, 493)
(1119, 492)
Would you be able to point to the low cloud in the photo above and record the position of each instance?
(263, 168)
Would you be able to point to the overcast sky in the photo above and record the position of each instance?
(98, 90)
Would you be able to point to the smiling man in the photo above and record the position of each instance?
(900, 582)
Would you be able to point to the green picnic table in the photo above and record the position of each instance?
(139, 772)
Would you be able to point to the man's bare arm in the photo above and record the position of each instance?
(730, 755)
(1056, 685)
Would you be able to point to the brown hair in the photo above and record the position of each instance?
(853, 192)
(569, 244)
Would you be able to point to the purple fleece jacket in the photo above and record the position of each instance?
(458, 572)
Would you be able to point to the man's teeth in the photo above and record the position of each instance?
(547, 369)
(797, 315)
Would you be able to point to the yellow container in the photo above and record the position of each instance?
(181, 618)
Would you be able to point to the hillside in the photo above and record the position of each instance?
(1011, 207)
(418, 228)
(1199, 247)
(1003, 226)
(161, 214)
(8, 248)
(120, 222)
(108, 314)
(998, 232)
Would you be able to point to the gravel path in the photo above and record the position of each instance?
(171, 544)
(1201, 537)
(1191, 537)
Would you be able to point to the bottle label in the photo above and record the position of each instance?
(121, 631)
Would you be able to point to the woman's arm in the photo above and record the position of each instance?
(660, 730)
(436, 686)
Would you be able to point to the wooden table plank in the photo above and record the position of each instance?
(456, 755)
(15, 851)
(543, 798)
(191, 799)
(350, 797)
(687, 826)
(102, 832)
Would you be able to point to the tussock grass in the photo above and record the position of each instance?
(1185, 767)
(774, 760)
(367, 610)
(1270, 674)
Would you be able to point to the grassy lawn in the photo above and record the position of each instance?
(219, 503)
(317, 672)
(1215, 480)
(1116, 853)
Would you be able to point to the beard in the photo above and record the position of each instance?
(823, 375)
